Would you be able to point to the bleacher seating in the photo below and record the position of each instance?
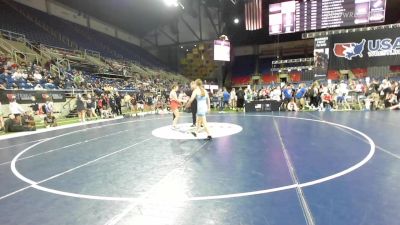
(13, 21)
(84, 37)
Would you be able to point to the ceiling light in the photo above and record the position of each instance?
(171, 3)
(236, 20)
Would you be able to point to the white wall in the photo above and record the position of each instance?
(100, 26)
(66, 14)
(37, 4)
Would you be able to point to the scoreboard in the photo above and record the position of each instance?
(305, 15)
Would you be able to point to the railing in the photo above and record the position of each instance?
(13, 36)
(12, 51)
(92, 53)
(38, 51)
(55, 70)
(68, 103)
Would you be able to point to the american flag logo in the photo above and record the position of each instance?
(253, 14)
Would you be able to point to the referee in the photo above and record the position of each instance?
(193, 107)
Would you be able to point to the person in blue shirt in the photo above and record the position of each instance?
(287, 94)
(227, 98)
(300, 95)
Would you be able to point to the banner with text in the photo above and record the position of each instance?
(25, 96)
(321, 56)
(379, 47)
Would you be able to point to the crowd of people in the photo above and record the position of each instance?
(105, 97)
(365, 94)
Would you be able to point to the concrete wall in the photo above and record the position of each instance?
(65, 13)
(37, 4)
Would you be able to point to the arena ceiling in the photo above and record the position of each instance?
(136, 16)
(141, 17)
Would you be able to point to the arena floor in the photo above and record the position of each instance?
(260, 169)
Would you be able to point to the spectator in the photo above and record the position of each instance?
(327, 101)
(28, 120)
(300, 96)
(233, 99)
(49, 105)
(240, 99)
(276, 94)
(35, 105)
(81, 107)
(287, 95)
(91, 106)
(37, 76)
(220, 97)
(291, 106)
(1, 119)
(127, 101)
(12, 124)
(50, 120)
(16, 109)
(226, 97)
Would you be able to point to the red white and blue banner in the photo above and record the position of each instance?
(365, 49)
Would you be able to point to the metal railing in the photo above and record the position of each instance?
(13, 36)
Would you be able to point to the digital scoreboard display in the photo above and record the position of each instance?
(222, 50)
(305, 15)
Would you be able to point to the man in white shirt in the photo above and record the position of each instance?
(15, 108)
(276, 94)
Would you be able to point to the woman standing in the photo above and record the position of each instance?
(91, 106)
(203, 106)
(233, 99)
(81, 107)
(174, 104)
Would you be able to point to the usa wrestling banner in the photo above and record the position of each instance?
(379, 47)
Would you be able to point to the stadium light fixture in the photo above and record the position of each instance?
(173, 3)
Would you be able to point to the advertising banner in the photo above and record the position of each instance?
(379, 47)
(321, 56)
(25, 96)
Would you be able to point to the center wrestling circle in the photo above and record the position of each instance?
(184, 131)
(225, 127)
